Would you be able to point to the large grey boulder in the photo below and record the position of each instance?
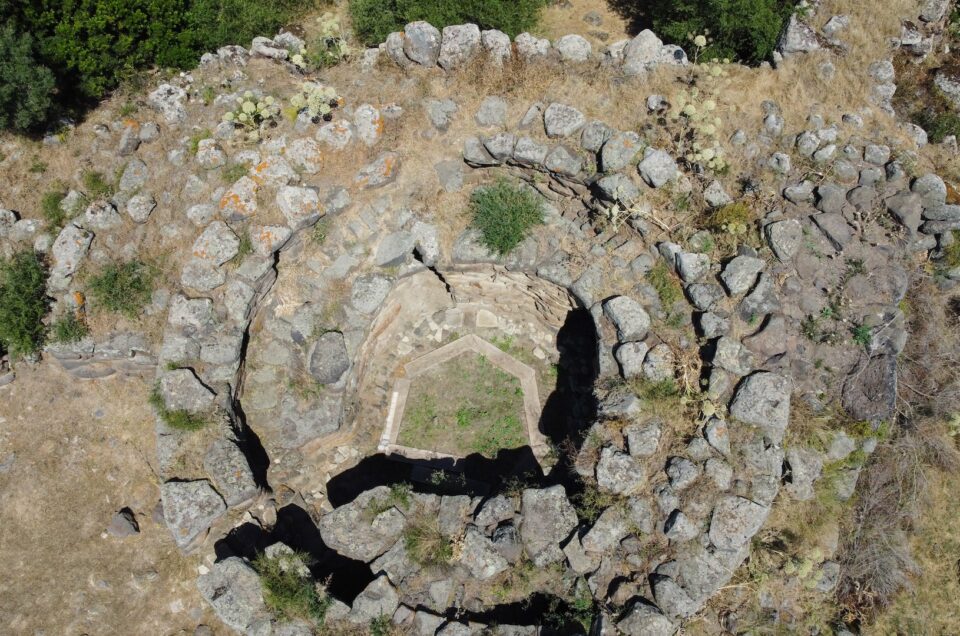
(101, 215)
(134, 176)
(329, 359)
(479, 555)
(735, 520)
(763, 400)
(619, 150)
(299, 206)
(233, 590)
(573, 48)
(230, 470)
(376, 600)
(740, 274)
(805, 468)
(641, 53)
(797, 37)
(182, 391)
(619, 473)
(560, 120)
(657, 168)
(68, 250)
(380, 172)
(607, 531)
(421, 43)
(784, 238)
(217, 244)
(460, 44)
(190, 508)
(355, 531)
(644, 619)
(628, 316)
(369, 292)
(497, 46)
(548, 519)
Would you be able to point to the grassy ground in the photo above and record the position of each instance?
(464, 406)
(930, 605)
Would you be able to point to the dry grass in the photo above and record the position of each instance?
(892, 495)
(930, 605)
(82, 453)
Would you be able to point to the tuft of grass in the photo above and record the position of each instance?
(862, 335)
(400, 497)
(123, 288)
(69, 328)
(425, 544)
(504, 213)
(196, 138)
(591, 502)
(288, 592)
(245, 248)
(23, 303)
(52, 210)
(232, 172)
(319, 232)
(96, 186)
(178, 419)
(37, 166)
(666, 284)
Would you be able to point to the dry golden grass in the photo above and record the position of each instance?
(83, 451)
(930, 605)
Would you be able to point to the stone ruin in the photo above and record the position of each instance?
(302, 356)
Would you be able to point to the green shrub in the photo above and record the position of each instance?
(25, 84)
(178, 419)
(289, 591)
(745, 30)
(504, 214)
(374, 20)
(69, 328)
(53, 212)
(23, 303)
(96, 186)
(939, 123)
(87, 47)
(122, 287)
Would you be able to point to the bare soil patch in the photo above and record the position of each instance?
(80, 454)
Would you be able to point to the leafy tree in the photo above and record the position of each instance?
(374, 20)
(745, 30)
(25, 83)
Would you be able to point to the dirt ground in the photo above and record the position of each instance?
(80, 453)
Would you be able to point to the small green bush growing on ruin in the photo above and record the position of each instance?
(52, 209)
(317, 100)
(288, 591)
(504, 213)
(69, 328)
(425, 544)
(251, 112)
(23, 303)
(123, 288)
(330, 46)
(95, 186)
(178, 419)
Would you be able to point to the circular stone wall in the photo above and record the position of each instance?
(313, 430)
